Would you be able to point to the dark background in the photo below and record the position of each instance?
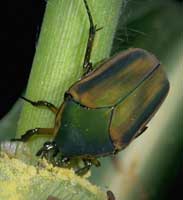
(19, 35)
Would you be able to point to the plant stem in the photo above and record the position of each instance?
(59, 56)
(58, 64)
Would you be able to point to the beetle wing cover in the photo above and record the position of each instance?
(115, 79)
(132, 114)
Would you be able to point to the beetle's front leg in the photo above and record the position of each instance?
(48, 146)
(49, 151)
(36, 131)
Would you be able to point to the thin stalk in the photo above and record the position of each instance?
(59, 56)
(57, 64)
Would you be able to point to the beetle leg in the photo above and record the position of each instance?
(87, 65)
(36, 131)
(95, 162)
(85, 169)
(88, 162)
(46, 104)
(48, 146)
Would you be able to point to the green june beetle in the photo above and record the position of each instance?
(106, 109)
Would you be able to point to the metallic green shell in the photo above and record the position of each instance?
(84, 131)
(111, 105)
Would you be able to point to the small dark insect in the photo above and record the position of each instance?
(106, 109)
(110, 195)
(52, 198)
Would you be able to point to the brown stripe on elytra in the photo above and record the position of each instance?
(114, 79)
(105, 71)
(130, 115)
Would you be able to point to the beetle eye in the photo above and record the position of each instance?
(67, 96)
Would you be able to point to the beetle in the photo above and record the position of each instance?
(106, 109)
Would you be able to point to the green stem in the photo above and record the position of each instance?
(57, 65)
(59, 56)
